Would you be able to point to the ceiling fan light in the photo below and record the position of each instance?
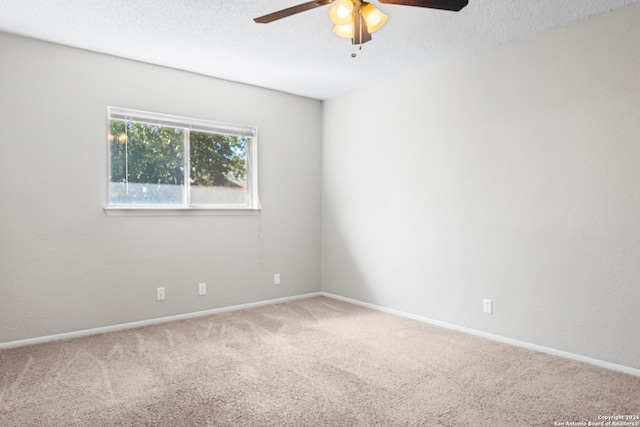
(346, 30)
(122, 138)
(373, 17)
(341, 13)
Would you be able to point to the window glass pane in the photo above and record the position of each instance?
(163, 161)
(146, 164)
(218, 168)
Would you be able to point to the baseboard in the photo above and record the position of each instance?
(139, 324)
(505, 340)
(518, 343)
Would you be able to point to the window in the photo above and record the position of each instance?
(161, 161)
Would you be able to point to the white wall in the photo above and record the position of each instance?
(66, 266)
(512, 174)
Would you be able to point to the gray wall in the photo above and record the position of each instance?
(512, 174)
(67, 266)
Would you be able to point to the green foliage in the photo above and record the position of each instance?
(145, 153)
(217, 159)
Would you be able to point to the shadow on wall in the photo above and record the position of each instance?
(343, 273)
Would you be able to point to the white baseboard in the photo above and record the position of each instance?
(120, 327)
(139, 324)
(523, 344)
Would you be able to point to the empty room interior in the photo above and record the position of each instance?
(421, 214)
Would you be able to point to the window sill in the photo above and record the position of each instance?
(157, 211)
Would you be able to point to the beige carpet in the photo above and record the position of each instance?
(310, 362)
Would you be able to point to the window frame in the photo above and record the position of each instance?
(187, 124)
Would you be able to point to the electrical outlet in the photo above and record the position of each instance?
(202, 289)
(487, 306)
(276, 279)
(160, 294)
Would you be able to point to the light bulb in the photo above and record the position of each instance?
(346, 30)
(341, 13)
(122, 138)
(373, 17)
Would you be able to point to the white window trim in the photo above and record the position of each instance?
(172, 211)
(253, 208)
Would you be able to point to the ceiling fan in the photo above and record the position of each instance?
(357, 19)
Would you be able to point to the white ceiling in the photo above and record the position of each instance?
(299, 54)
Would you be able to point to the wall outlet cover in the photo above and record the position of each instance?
(487, 306)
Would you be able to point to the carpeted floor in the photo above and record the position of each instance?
(311, 362)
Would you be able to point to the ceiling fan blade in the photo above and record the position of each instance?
(291, 11)
(453, 5)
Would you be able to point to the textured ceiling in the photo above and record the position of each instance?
(299, 54)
